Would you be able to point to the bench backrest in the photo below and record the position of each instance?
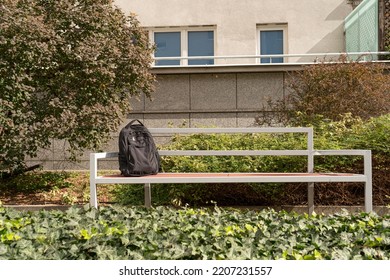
(309, 152)
(159, 132)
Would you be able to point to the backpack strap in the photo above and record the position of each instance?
(133, 121)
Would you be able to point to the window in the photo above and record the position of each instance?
(184, 42)
(200, 43)
(167, 45)
(272, 40)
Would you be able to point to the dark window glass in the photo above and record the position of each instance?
(200, 43)
(271, 42)
(168, 44)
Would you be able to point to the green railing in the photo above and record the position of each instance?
(361, 28)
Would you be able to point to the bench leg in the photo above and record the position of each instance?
(93, 194)
(92, 183)
(368, 197)
(148, 195)
(310, 197)
(368, 183)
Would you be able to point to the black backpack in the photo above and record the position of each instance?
(138, 155)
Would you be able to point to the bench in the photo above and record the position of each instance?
(310, 177)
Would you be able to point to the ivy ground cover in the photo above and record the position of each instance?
(188, 233)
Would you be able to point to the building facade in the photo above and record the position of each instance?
(241, 28)
(219, 62)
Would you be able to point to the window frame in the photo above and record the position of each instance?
(271, 27)
(183, 39)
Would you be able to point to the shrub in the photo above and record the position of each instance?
(328, 90)
(373, 134)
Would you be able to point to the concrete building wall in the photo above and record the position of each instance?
(207, 99)
(312, 26)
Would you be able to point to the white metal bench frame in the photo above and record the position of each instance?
(310, 177)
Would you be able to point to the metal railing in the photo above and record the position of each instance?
(244, 60)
